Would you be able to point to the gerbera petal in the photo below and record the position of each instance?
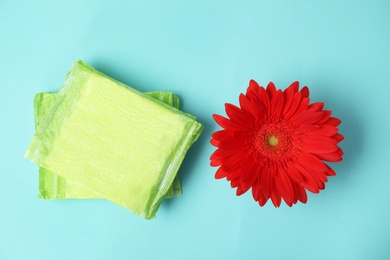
(293, 87)
(266, 182)
(325, 130)
(295, 175)
(322, 139)
(232, 158)
(222, 135)
(259, 110)
(242, 188)
(246, 104)
(253, 83)
(317, 147)
(325, 117)
(271, 90)
(220, 173)
(310, 161)
(305, 92)
(258, 194)
(308, 128)
(302, 105)
(231, 144)
(256, 190)
(234, 183)
(234, 175)
(301, 193)
(264, 99)
(237, 115)
(214, 142)
(241, 135)
(330, 171)
(217, 162)
(248, 173)
(289, 203)
(330, 157)
(338, 137)
(294, 105)
(250, 169)
(233, 162)
(321, 176)
(277, 103)
(284, 185)
(288, 97)
(251, 92)
(318, 176)
(262, 199)
(308, 182)
(247, 180)
(307, 117)
(275, 196)
(318, 106)
(227, 124)
(333, 121)
(227, 136)
(221, 153)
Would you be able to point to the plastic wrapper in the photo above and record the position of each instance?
(53, 186)
(113, 141)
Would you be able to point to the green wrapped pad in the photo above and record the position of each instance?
(53, 186)
(113, 141)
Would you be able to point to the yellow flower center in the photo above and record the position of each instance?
(272, 141)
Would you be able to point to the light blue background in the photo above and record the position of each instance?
(206, 52)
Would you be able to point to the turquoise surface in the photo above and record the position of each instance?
(205, 52)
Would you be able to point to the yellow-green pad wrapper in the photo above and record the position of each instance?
(112, 140)
(53, 186)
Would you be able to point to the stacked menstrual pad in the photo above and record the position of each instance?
(97, 138)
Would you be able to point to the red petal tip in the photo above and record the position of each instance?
(253, 82)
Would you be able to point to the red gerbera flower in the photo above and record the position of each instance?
(276, 144)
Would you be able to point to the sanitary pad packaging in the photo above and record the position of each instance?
(53, 186)
(97, 138)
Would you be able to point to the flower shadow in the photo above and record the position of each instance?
(351, 128)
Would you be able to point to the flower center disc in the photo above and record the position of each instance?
(272, 141)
